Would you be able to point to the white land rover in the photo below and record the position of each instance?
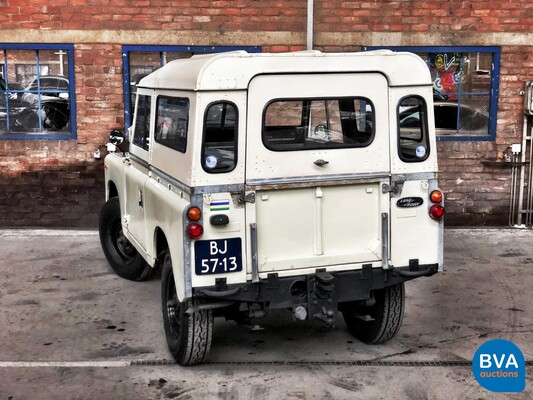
(300, 181)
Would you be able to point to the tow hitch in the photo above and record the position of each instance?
(321, 298)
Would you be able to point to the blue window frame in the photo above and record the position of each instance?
(37, 95)
(465, 88)
(139, 61)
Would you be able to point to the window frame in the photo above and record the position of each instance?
(494, 83)
(128, 49)
(146, 146)
(355, 145)
(235, 139)
(423, 126)
(69, 48)
(163, 142)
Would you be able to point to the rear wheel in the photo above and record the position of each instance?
(120, 253)
(379, 322)
(188, 335)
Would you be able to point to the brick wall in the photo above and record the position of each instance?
(59, 183)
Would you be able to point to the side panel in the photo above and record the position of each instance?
(136, 176)
(414, 235)
(165, 207)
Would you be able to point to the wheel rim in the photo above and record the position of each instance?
(121, 244)
(173, 307)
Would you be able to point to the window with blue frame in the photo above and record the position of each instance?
(465, 89)
(37, 92)
(139, 61)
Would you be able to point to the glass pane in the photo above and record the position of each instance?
(412, 129)
(220, 138)
(169, 56)
(461, 91)
(172, 122)
(474, 115)
(141, 135)
(141, 64)
(318, 123)
(38, 91)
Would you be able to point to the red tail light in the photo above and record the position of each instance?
(436, 211)
(195, 231)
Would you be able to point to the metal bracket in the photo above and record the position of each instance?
(249, 198)
(385, 241)
(396, 186)
(255, 260)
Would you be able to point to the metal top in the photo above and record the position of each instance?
(234, 70)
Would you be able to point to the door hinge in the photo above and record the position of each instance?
(249, 198)
(396, 186)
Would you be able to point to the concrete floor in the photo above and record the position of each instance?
(71, 329)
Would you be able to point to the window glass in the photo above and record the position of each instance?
(318, 124)
(465, 89)
(141, 136)
(35, 93)
(219, 152)
(140, 61)
(462, 87)
(412, 129)
(172, 120)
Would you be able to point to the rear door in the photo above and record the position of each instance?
(316, 160)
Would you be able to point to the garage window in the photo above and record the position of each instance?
(140, 61)
(36, 92)
(465, 90)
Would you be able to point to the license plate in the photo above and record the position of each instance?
(217, 256)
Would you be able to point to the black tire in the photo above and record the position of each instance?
(386, 315)
(188, 335)
(120, 253)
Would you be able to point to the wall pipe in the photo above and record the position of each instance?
(310, 24)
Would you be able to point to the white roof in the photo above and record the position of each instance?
(234, 70)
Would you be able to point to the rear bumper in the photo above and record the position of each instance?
(332, 288)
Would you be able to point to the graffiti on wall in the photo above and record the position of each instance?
(447, 73)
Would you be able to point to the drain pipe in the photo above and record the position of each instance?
(310, 24)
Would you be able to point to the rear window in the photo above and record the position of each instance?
(413, 144)
(305, 124)
(219, 150)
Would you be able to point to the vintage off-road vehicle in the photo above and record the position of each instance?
(278, 181)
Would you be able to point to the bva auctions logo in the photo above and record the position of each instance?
(499, 366)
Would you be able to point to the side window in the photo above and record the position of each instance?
(141, 137)
(219, 150)
(318, 124)
(172, 121)
(413, 143)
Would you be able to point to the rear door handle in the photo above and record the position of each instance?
(321, 162)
